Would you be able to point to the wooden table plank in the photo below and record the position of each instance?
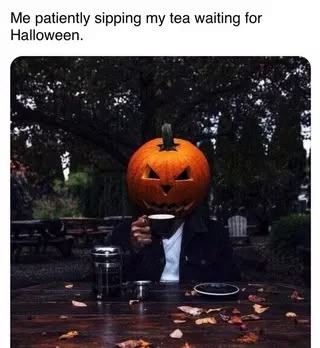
(36, 318)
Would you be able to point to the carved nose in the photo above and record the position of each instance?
(166, 188)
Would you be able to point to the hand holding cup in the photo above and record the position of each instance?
(140, 232)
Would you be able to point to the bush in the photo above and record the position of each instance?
(67, 199)
(289, 232)
(53, 207)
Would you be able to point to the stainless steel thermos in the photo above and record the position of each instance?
(107, 271)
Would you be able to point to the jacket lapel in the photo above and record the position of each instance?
(194, 224)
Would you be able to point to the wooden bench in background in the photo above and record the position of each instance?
(37, 235)
(87, 231)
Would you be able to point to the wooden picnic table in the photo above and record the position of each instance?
(40, 314)
(86, 229)
(38, 234)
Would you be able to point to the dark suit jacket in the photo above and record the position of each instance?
(206, 253)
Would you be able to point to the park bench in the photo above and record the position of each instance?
(37, 235)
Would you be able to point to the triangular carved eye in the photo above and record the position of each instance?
(150, 173)
(153, 174)
(184, 175)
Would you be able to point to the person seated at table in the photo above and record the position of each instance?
(197, 249)
(171, 175)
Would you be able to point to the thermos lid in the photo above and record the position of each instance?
(107, 251)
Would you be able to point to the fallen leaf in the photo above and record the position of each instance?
(63, 317)
(295, 296)
(78, 304)
(291, 315)
(250, 317)
(176, 334)
(191, 310)
(178, 321)
(235, 320)
(68, 286)
(210, 310)
(131, 302)
(256, 299)
(243, 289)
(190, 293)
(235, 311)
(259, 309)
(186, 345)
(224, 317)
(68, 335)
(133, 344)
(207, 320)
(179, 316)
(249, 337)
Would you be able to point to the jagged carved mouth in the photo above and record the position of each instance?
(168, 208)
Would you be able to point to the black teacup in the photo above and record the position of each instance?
(161, 224)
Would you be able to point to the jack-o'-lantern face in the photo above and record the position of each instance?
(168, 175)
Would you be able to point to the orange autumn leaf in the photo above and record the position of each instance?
(295, 296)
(68, 335)
(144, 344)
(186, 345)
(256, 299)
(259, 309)
(78, 304)
(235, 320)
(179, 316)
(249, 337)
(68, 286)
(207, 320)
(133, 344)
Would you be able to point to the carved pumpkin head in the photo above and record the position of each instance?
(168, 175)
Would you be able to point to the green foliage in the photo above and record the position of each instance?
(67, 198)
(76, 185)
(85, 193)
(289, 232)
(56, 207)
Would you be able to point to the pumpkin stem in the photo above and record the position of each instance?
(167, 138)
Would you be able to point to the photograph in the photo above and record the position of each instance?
(160, 201)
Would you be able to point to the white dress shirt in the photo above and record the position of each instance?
(172, 248)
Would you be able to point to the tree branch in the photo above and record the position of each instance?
(21, 114)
